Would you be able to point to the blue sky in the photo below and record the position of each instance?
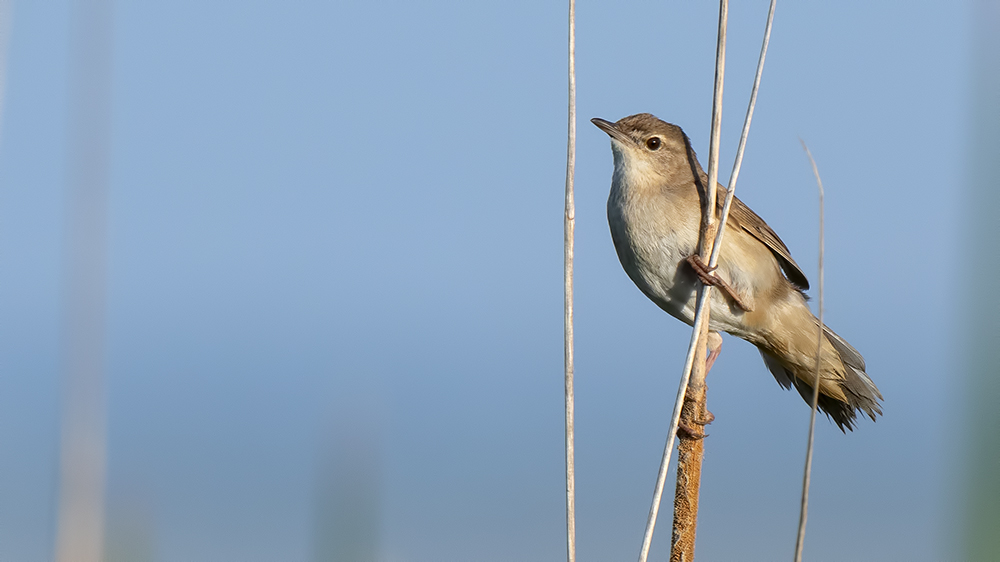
(343, 219)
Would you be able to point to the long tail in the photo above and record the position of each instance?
(851, 392)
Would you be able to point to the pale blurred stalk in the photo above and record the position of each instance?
(80, 526)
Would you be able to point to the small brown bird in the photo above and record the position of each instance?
(654, 211)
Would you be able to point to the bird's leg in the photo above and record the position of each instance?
(708, 278)
(714, 350)
(684, 430)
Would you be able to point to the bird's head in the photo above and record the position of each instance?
(647, 149)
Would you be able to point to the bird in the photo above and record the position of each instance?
(654, 212)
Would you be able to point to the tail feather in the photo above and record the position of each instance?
(858, 386)
(861, 393)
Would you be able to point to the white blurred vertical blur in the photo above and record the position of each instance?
(80, 531)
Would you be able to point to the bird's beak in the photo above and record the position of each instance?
(612, 130)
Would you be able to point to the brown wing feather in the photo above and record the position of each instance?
(741, 216)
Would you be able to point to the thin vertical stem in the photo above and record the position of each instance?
(743, 136)
(699, 318)
(804, 507)
(569, 224)
(691, 452)
(700, 322)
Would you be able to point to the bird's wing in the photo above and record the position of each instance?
(740, 216)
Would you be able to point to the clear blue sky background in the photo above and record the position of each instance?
(345, 218)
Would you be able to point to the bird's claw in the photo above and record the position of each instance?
(705, 273)
(685, 431)
(690, 434)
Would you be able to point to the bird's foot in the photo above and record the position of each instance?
(685, 431)
(708, 278)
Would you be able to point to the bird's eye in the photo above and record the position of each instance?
(653, 143)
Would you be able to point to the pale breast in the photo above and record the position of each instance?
(652, 236)
(654, 232)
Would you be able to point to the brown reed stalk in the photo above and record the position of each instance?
(690, 452)
(700, 331)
